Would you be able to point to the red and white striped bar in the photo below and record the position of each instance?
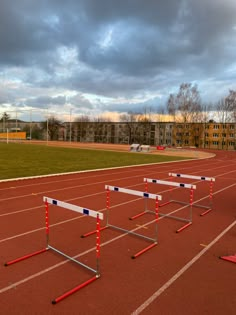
(193, 177)
(133, 192)
(75, 208)
(165, 182)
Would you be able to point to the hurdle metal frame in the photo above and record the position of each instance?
(145, 195)
(84, 211)
(171, 184)
(200, 178)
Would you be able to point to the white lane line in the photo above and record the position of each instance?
(155, 295)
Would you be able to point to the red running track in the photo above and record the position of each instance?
(181, 275)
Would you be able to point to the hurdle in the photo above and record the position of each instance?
(231, 258)
(135, 147)
(145, 148)
(171, 184)
(84, 211)
(200, 178)
(145, 195)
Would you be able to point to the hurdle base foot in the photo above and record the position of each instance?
(231, 258)
(70, 292)
(184, 227)
(93, 232)
(25, 257)
(205, 212)
(143, 250)
(137, 215)
(165, 203)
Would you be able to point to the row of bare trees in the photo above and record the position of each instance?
(186, 106)
(183, 107)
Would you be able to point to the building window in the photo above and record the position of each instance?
(215, 135)
(216, 127)
(231, 135)
(215, 142)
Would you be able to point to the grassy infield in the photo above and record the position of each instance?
(21, 160)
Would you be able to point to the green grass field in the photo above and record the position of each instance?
(22, 160)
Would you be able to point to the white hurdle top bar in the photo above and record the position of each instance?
(75, 208)
(133, 192)
(193, 177)
(165, 182)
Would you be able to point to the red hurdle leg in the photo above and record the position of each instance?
(137, 215)
(165, 203)
(82, 285)
(144, 250)
(229, 258)
(25, 257)
(205, 212)
(183, 227)
(93, 232)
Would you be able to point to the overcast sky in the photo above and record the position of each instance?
(94, 56)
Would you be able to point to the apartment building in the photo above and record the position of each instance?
(205, 135)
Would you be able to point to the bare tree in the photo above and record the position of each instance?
(231, 104)
(131, 120)
(231, 101)
(82, 123)
(144, 130)
(4, 120)
(185, 107)
(206, 111)
(188, 103)
(171, 106)
(223, 109)
(52, 126)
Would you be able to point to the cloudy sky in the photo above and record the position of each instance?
(94, 56)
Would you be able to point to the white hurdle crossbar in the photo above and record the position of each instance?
(84, 211)
(173, 184)
(200, 178)
(144, 195)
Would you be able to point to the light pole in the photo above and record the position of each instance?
(47, 126)
(30, 124)
(70, 123)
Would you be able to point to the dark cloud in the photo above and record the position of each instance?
(45, 101)
(122, 49)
